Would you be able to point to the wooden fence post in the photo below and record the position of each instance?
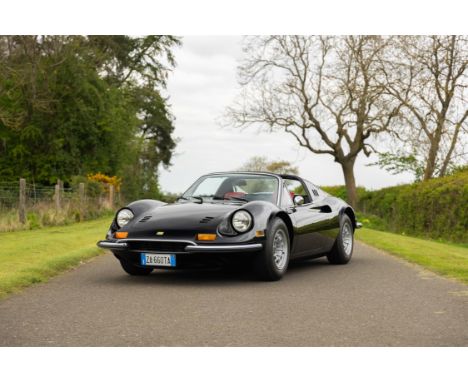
(82, 199)
(22, 201)
(57, 195)
(111, 196)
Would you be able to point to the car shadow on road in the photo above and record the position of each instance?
(213, 276)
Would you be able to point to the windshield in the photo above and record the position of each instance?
(236, 187)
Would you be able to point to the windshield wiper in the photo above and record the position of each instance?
(216, 197)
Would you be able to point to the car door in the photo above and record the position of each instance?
(325, 217)
(307, 223)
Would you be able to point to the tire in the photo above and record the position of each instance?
(342, 250)
(135, 270)
(265, 266)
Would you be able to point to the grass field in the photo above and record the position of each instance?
(445, 259)
(29, 257)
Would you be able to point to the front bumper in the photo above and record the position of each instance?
(111, 245)
(190, 247)
(224, 248)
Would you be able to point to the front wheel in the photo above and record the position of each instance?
(342, 250)
(135, 270)
(271, 264)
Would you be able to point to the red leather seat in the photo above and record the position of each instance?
(228, 195)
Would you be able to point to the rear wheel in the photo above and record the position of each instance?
(342, 250)
(271, 264)
(135, 270)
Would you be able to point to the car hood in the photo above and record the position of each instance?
(180, 220)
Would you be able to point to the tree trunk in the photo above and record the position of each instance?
(434, 140)
(430, 165)
(443, 170)
(350, 182)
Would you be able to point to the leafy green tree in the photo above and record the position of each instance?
(70, 105)
(400, 162)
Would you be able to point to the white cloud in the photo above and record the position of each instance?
(203, 84)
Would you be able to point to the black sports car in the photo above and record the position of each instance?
(249, 218)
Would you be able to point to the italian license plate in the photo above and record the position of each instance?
(159, 260)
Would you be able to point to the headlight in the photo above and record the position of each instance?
(242, 221)
(123, 217)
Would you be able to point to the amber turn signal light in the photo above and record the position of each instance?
(121, 235)
(206, 236)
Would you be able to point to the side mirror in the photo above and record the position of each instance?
(298, 200)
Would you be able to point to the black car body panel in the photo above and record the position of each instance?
(163, 228)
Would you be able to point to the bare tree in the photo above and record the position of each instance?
(429, 76)
(325, 91)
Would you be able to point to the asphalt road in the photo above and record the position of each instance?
(376, 300)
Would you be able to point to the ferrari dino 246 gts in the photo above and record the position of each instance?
(252, 218)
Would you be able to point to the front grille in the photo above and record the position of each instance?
(159, 246)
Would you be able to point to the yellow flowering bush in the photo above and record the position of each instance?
(106, 179)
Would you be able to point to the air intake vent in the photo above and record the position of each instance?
(146, 218)
(207, 219)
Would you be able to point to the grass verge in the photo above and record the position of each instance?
(445, 259)
(29, 257)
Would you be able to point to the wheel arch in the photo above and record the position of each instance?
(350, 212)
(287, 220)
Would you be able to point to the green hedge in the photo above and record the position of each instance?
(436, 209)
(340, 191)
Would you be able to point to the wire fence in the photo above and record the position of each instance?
(10, 191)
(29, 205)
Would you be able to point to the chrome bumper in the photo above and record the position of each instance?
(224, 248)
(191, 248)
(111, 244)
